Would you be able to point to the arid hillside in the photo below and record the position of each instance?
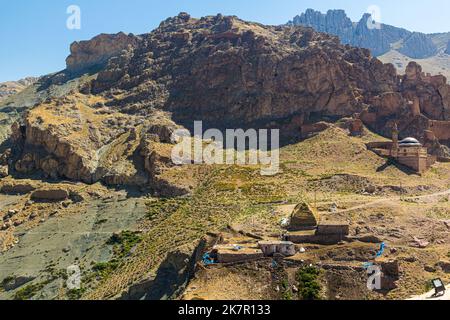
(12, 87)
(87, 178)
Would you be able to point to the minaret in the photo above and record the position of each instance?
(394, 148)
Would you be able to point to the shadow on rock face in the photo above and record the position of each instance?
(172, 277)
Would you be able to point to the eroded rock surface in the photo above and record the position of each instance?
(95, 52)
(117, 126)
(367, 34)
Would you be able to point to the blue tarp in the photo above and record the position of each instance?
(207, 260)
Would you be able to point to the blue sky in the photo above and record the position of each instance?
(35, 41)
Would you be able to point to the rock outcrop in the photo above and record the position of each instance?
(378, 40)
(447, 49)
(69, 138)
(247, 73)
(96, 52)
(418, 46)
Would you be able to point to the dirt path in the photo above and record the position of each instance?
(396, 198)
(429, 296)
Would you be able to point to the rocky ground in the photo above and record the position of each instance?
(42, 237)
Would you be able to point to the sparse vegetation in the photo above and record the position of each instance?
(287, 293)
(29, 291)
(122, 244)
(75, 294)
(164, 207)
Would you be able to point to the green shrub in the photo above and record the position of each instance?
(29, 291)
(122, 244)
(75, 294)
(103, 269)
(309, 287)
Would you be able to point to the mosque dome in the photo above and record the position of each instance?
(410, 142)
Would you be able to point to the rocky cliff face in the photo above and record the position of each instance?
(418, 46)
(447, 50)
(116, 126)
(378, 41)
(93, 53)
(227, 71)
(334, 22)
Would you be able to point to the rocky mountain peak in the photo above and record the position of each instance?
(378, 40)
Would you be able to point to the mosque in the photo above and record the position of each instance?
(408, 152)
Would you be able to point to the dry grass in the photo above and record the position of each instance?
(240, 195)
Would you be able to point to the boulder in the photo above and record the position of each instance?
(447, 223)
(444, 266)
(390, 275)
(17, 188)
(97, 51)
(4, 171)
(419, 243)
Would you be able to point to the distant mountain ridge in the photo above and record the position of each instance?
(380, 41)
(12, 87)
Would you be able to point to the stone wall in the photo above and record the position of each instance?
(228, 256)
(441, 129)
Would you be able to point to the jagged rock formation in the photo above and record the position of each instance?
(334, 22)
(418, 46)
(379, 41)
(228, 73)
(421, 108)
(95, 52)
